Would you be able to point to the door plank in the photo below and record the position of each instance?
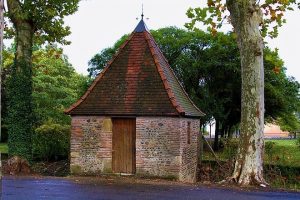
(123, 156)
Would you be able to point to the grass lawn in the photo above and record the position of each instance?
(283, 152)
(3, 148)
(278, 152)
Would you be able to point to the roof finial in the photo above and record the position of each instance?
(142, 12)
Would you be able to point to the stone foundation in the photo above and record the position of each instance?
(165, 146)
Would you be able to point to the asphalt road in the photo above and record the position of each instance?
(20, 188)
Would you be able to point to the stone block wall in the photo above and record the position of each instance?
(91, 144)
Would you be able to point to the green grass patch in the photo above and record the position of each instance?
(226, 153)
(3, 148)
(282, 152)
(277, 152)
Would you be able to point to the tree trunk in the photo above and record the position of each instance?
(209, 130)
(20, 109)
(230, 132)
(246, 18)
(217, 130)
(222, 131)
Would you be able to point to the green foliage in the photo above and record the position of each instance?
(277, 152)
(56, 85)
(284, 89)
(45, 21)
(282, 166)
(3, 148)
(298, 142)
(282, 93)
(99, 61)
(4, 74)
(216, 13)
(269, 149)
(230, 148)
(283, 176)
(51, 141)
(282, 152)
(289, 122)
(47, 18)
(20, 117)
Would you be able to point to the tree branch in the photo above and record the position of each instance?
(15, 10)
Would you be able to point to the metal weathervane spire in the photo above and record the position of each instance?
(142, 12)
(141, 27)
(142, 15)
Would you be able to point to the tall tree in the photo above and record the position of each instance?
(99, 61)
(33, 21)
(56, 85)
(246, 17)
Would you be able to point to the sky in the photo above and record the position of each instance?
(99, 24)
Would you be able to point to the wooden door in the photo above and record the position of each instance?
(123, 146)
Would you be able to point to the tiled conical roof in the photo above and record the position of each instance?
(138, 81)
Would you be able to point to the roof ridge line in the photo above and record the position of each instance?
(99, 76)
(169, 91)
(173, 73)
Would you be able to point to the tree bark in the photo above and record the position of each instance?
(230, 132)
(20, 113)
(217, 130)
(246, 17)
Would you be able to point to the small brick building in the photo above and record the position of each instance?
(136, 118)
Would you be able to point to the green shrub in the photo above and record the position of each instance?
(230, 148)
(51, 142)
(3, 149)
(298, 141)
(205, 132)
(269, 147)
(270, 150)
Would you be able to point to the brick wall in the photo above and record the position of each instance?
(91, 144)
(188, 151)
(162, 147)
